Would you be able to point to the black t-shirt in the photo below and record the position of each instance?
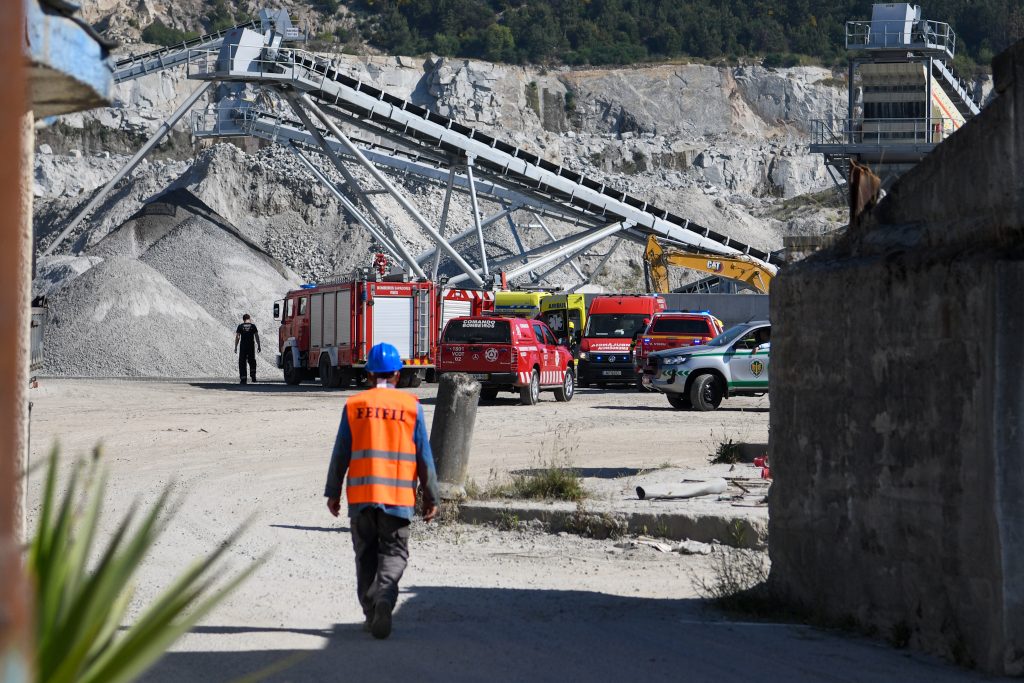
(249, 334)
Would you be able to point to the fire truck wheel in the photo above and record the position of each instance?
(415, 380)
(679, 401)
(325, 372)
(530, 394)
(403, 380)
(291, 374)
(336, 377)
(488, 394)
(565, 393)
(706, 392)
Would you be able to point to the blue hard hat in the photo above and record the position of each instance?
(383, 359)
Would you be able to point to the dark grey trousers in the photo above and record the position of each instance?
(381, 542)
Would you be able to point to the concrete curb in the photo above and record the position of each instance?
(748, 529)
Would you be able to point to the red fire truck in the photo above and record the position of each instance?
(327, 329)
(456, 303)
(673, 329)
(612, 324)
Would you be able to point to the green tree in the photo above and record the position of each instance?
(161, 34)
(499, 45)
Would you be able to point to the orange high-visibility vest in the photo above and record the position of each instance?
(383, 465)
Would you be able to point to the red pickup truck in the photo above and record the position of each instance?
(508, 354)
(673, 329)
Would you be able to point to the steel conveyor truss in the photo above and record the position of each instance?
(316, 83)
(407, 139)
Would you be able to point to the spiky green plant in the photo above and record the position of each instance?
(82, 592)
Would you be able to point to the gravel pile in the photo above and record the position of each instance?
(162, 298)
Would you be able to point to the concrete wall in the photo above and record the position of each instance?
(897, 442)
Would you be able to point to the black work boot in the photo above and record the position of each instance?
(380, 627)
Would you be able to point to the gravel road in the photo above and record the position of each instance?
(477, 603)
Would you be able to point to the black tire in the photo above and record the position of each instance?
(488, 394)
(336, 378)
(403, 380)
(530, 394)
(292, 375)
(325, 371)
(706, 392)
(415, 380)
(565, 393)
(345, 377)
(679, 401)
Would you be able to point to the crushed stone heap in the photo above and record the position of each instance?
(160, 296)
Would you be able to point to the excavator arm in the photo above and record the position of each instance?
(737, 267)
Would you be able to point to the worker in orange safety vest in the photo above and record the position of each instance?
(382, 443)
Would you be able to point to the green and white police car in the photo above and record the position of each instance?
(734, 363)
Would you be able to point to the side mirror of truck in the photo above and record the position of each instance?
(277, 311)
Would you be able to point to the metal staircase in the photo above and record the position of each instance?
(956, 88)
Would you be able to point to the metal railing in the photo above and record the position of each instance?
(900, 35)
(220, 121)
(264, 63)
(882, 131)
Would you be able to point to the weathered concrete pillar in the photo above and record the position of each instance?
(451, 435)
(897, 416)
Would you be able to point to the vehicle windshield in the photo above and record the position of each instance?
(679, 326)
(490, 331)
(728, 336)
(614, 324)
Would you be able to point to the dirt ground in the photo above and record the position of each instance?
(477, 603)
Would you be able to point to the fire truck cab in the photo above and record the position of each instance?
(327, 330)
(613, 323)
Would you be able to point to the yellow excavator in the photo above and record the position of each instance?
(735, 266)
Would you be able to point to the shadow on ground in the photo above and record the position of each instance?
(668, 408)
(296, 527)
(589, 472)
(269, 387)
(493, 634)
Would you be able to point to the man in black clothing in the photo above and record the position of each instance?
(249, 337)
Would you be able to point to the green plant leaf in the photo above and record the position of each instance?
(80, 609)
